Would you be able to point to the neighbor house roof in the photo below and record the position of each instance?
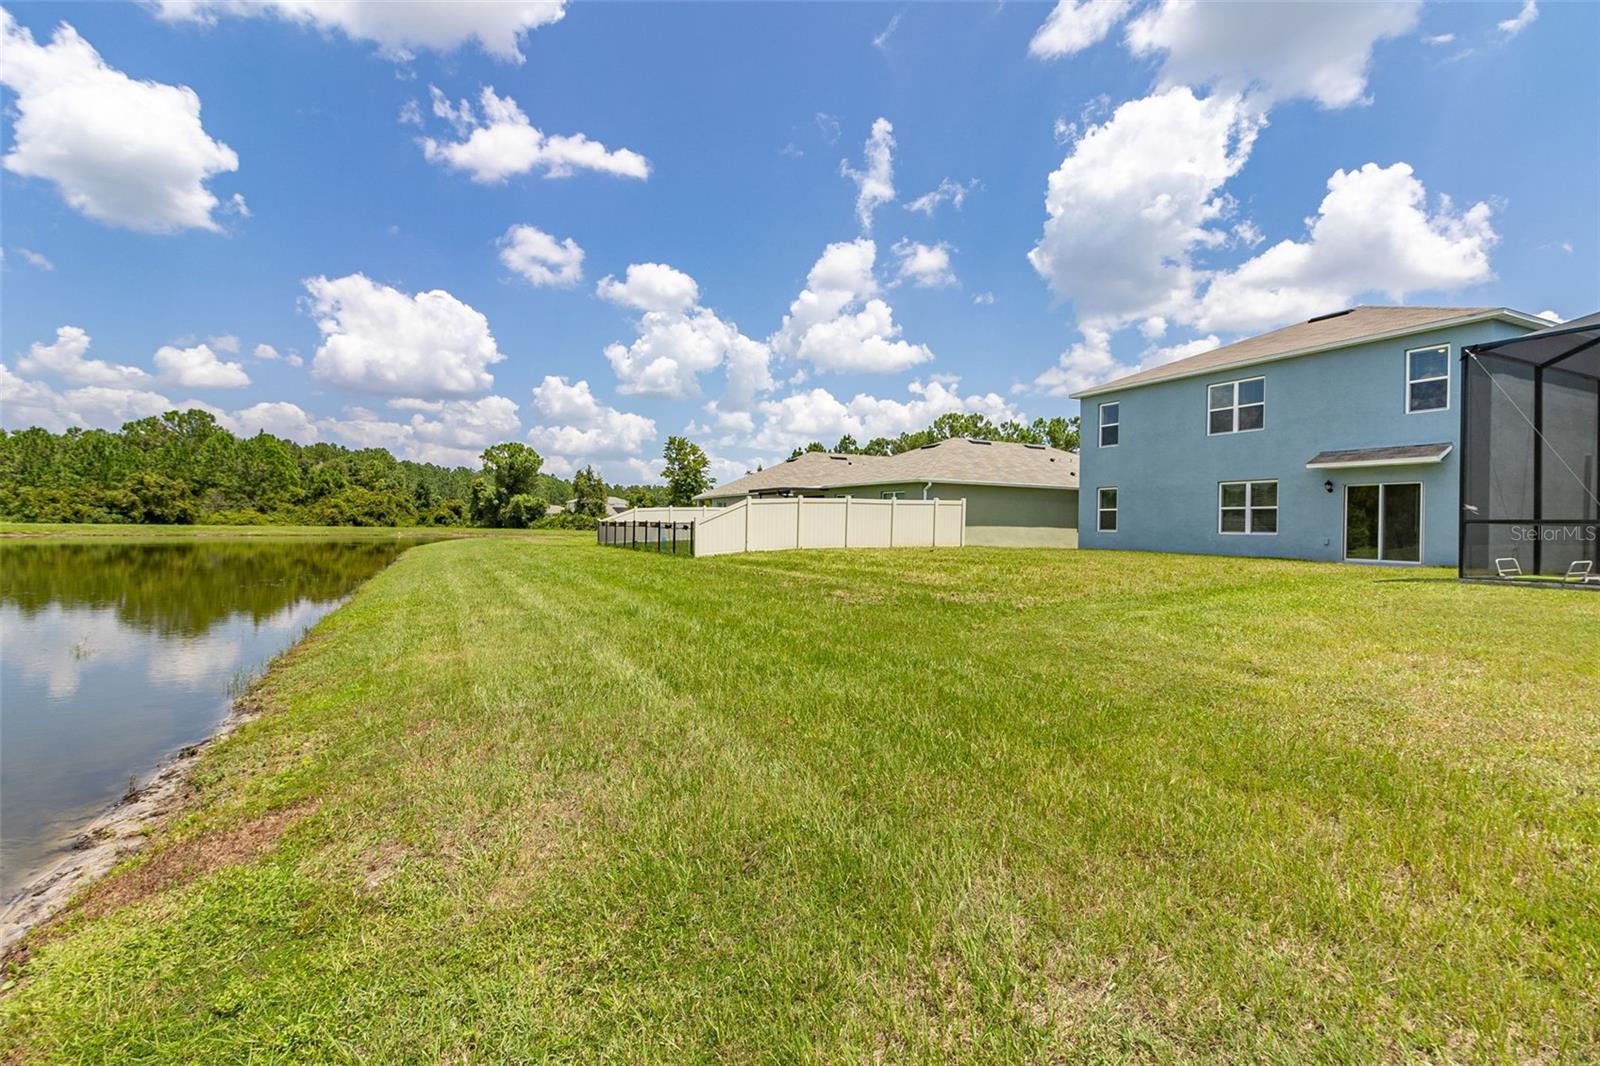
(1342, 329)
(956, 461)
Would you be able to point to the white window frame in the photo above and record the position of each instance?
(1104, 425)
(1234, 408)
(1382, 487)
(892, 494)
(1250, 508)
(1101, 510)
(1410, 381)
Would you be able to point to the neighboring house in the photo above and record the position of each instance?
(1017, 494)
(615, 505)
(1336, 438)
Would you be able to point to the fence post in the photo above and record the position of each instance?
(799, 512)
(749, 502)
(894, 505)
(847, 500)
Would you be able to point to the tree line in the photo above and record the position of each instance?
(184, 467)
(1057, 432)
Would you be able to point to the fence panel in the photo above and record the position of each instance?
(784, 523)
(950, 524)
(870, 523)
(822, 522)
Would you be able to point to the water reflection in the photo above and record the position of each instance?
(115, 655)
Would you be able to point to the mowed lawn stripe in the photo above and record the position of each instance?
(553, 800)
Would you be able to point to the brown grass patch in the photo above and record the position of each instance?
(188, 860)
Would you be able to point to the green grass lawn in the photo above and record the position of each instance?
(536, 799)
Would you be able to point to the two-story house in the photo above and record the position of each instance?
(1334, 439)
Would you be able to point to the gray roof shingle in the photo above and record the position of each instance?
(958, 460)
(1337, 330)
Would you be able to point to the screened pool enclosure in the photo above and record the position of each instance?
(1530, 468)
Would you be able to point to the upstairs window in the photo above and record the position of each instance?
(1428, 379)
(1110, 424)
(1108, 511)
(1247, 507)
(1236, 406)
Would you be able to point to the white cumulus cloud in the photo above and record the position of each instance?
(279, 418)
(818, 415)
(198, 367)
(449, 432)
(540, 258)
(1137, 195)
(651, 287)
(25, 403)
(503, 144)
(1319, 48)
(124, 152)
(1373, 232)
(378, 339)
(924, 265)
(65, 359)
(497, 26)
(679, 340)
(1075, 25)
(875, 180)
(577, 427)
(840, 322)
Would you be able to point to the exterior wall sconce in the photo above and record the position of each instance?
(1328, 485)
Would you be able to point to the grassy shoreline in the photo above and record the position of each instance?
(526, 799)
(131, 531)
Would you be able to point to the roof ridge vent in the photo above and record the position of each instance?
(1331, 314)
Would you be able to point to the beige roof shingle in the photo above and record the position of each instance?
(1342, 329)
(958, 460)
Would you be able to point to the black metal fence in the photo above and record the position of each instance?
(668, 538)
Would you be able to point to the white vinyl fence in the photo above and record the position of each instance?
(781, 523)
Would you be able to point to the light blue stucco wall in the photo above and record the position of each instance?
(1167, 469)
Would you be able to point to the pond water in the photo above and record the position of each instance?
(116, 654)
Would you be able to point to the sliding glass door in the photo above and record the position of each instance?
(1383, 523)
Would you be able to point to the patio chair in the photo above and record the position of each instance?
(1581, 573)
(1508, 568)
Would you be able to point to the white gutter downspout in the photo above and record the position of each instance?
(925, 489)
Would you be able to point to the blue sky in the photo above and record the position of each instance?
(1114, 185)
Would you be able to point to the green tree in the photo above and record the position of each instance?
(685, 471)
(847, 446)
(1059, 432)
(512, 469)
(589, 491)
(159, 500)
(521, 511)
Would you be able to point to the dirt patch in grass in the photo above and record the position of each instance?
(188, 860)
